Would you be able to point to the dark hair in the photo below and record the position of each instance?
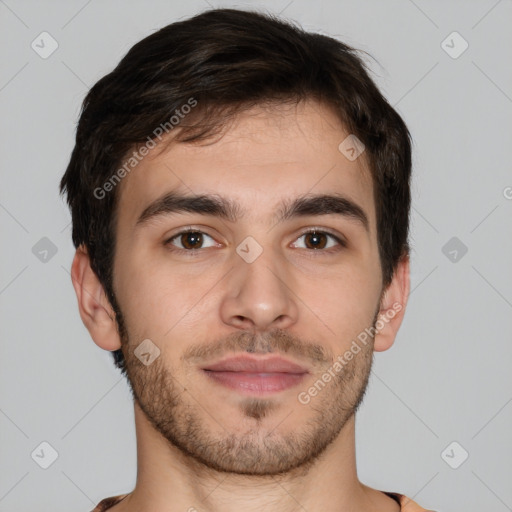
(228, 60)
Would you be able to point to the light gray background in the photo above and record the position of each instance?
(446, 379)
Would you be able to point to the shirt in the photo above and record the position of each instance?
(406, 504)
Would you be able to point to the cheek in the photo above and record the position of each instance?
(160, 300)
(344, 305)
(143, 296)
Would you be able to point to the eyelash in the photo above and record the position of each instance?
(194, 252)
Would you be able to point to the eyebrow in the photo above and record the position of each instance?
(225, 208)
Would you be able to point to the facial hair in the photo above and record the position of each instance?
(261, 450)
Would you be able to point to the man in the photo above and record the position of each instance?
(240, 199)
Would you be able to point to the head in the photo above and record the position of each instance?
(257, 120)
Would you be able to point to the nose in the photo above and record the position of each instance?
(259, 295)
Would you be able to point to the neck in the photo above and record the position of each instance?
(169, 480)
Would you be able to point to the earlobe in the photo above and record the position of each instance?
(392, 307)
(95, 310)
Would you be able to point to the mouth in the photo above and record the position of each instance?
(252, 376)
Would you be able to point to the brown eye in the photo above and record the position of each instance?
(316, 239)
(189, 240)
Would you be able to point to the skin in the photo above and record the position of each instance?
(202, 445)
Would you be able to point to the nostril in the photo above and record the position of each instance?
(241, 320)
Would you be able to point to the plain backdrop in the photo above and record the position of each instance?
(437, 419)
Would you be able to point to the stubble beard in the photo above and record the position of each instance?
(261, 449)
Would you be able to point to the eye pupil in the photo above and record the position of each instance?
(191, 239)
(314, 237)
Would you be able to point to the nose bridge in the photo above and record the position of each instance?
(265, 270)
(259, 294)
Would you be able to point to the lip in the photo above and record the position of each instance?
(253, 376)
(273, 364)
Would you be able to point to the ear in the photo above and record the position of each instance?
(95, 309)
(392, 307)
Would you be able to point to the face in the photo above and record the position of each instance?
(254, 276)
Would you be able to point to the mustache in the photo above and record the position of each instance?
(275, 341)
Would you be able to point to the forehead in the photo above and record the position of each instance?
(264, 156)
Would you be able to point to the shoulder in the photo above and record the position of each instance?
(406, 504)
(107, 503)
(409, 505)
